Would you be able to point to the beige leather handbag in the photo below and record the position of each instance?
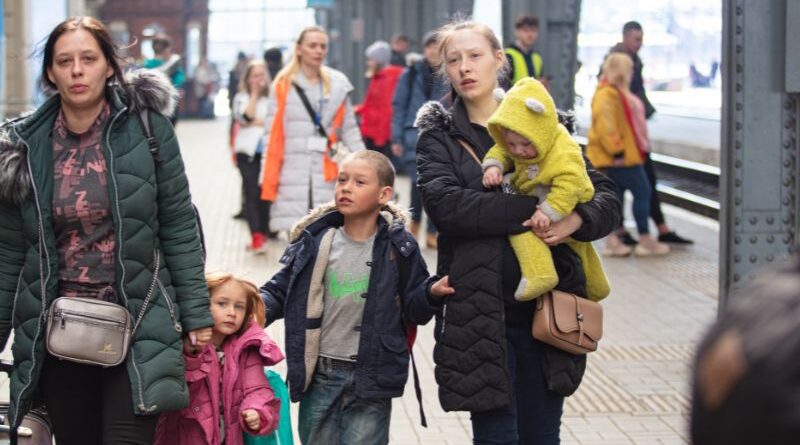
(568, 322)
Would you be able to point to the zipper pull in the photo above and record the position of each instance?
(178, 327)
(60, 315)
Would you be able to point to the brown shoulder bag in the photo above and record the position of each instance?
(568, 322)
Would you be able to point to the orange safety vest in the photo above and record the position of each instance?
(276, 147)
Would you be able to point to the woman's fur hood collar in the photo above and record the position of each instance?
(433, 115)
(145, 89)
(392, 213)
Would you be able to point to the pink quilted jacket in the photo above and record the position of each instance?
(244, 386)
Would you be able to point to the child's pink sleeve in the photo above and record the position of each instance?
(258, 394)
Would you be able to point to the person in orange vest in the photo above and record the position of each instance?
(309, 114)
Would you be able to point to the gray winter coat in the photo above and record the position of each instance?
(302, 168)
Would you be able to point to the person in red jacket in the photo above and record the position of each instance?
(376, 111)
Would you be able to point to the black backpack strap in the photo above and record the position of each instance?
(412, 73)
(147, 125)
(311, 113)
(405, 273)
(152, 143)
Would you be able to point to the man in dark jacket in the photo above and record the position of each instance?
(417, 85)
(632, 38)
(400, 44)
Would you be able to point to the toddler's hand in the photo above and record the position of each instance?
(540, 220)
(200, 337)
(189, 348)
(492, 177)
(252, 419)
(442, 288)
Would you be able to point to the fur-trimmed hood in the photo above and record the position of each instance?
(433, 115)
(392, 213)
(144, 89)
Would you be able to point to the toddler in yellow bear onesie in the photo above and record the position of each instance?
(546, 162)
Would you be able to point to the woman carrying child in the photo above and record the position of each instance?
(229, 394)
(487, 361)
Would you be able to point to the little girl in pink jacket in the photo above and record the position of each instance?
(228, 391)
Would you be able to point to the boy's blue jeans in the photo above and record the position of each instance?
(331, 413)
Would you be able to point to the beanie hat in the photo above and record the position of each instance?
(380, 52)
(429, 38)
(526, 109)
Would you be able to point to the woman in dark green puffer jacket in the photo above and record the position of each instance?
(87, 210)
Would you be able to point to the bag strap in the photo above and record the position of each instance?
(311, 113)
(470, 150)
(405, 273)
(147, 128)
(412, 74)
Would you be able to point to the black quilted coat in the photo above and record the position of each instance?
(474, 225)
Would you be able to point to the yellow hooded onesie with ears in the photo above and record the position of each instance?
(557, 175)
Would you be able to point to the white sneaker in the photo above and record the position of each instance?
(654, 249)
(618, 250)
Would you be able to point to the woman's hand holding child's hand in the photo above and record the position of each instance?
(558, 231)
(492, 177)
(540, 221)
(252, 419)
(200, 337)
(442, 288)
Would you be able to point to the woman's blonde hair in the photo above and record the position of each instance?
(244, 86)
(255, 310)
(446, 32)
(291, 68)
(617, 70)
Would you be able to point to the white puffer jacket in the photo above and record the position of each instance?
(302, 168)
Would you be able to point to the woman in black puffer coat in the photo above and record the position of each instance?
(486, 359)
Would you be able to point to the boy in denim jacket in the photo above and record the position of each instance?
(345, 309)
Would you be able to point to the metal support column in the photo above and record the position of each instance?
(17, 97)
(759, 152)
(558, 41)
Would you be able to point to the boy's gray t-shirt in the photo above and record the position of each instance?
(346, 282)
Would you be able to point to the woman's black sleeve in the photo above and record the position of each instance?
(460, 211)
(603, 213)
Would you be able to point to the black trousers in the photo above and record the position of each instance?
(655, 203)
(91, 405)
(385, 149)
(256, 211)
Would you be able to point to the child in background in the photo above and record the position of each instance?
(546, 162)
(352, 283)
(228, 391)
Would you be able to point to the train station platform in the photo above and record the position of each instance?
(636, 388)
